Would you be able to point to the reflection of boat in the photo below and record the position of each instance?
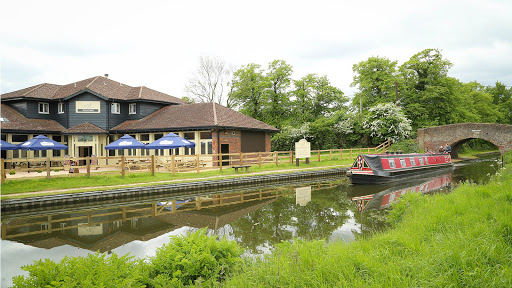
(384, 199)
(168, 205)
(382, 168)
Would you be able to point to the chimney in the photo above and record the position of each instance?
(106, 75)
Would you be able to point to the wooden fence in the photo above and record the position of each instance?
(173, 163)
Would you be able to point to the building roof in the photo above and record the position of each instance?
(194, 116)
(12, 120)
(100, 85)
(85, 128)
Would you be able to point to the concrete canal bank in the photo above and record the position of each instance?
(166, 189)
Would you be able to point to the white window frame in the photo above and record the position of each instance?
(132, 108)
(60, 108)
(44, 108)
(115, 108)
(391, 162)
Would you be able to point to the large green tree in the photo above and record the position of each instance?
(502, 97)
(247, 90)
(277, 104)
(375, 79)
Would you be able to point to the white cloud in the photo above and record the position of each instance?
(158, 43)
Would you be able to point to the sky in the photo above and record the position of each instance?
(157, 44)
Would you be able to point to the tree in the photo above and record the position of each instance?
(386, 121)
(502, 97)
(247, 90)
(375, 79)
(276, 111)
(425, 68)
(209, 81)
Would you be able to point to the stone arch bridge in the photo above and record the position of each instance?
(457, 134)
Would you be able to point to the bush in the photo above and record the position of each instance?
(12, 172)
(56, 170)
(407, 146)
(196, 257)
(39, 171)
(95, 270)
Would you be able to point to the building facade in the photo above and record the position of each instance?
(89, 114)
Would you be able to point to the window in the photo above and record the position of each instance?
(57, 138)
(402, 162)
(84, 138)
(19, 138)
(132, 108)
(115, 108)
(391, 163)
(144, 137)
(421, 161)
(44, 108)
(60, 107)
(190, 135)
(413, 163)
(206, 147)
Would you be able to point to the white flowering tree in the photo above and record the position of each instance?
(386, 121)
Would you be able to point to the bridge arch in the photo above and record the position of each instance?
(457, 134)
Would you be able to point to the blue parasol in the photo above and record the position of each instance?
(41, 143)
(170, 141)
(8, 146)
(125, 142)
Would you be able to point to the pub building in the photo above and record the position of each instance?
(89, 114)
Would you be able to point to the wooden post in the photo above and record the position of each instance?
(153, 165)
(174, 206)
(277, 158)
(48, 167)
(122, 166)
(153, 209)
(330, 154)
(259, 159)
(173, 163)
(318, 155)
(220, 161)
(198, 203)
(291, 157)
(360, 150)
(88, 166)
(197, 163)
(241, 159)
(50, 224)
(368, 150)
(350, 153)
(124, 214)
(341, 154)
(3, 179)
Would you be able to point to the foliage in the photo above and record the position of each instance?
(386, 121)
(94, 270)
(406, 145)
(375, 79)
(247, 90)
(12, 172)
(194, 257)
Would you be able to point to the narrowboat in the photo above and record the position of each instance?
(383, 168)
(385, 198)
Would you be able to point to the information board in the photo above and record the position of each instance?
(302, 149)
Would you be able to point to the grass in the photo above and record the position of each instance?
(461, 239)
(103, 182)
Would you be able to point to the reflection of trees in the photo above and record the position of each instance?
(372, 221)
(283, 220)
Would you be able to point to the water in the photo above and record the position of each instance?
(257, 217)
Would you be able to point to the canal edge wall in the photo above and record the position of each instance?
(165, 189)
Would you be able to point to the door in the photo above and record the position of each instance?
(224, 148)
(84, 151)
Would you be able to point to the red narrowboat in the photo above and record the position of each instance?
(383, 168)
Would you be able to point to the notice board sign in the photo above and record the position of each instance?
(88, 106)
(302, 149)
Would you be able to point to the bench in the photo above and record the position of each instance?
(242, 166)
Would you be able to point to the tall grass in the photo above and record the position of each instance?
(461, 239)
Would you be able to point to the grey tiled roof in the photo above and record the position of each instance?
(199, 115)
(101, 85)
(85, 128)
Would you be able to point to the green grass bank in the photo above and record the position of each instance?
(460, 239)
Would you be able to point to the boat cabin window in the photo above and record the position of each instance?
(391, 163)
(413, 162)
(402, 162)
(421, 161)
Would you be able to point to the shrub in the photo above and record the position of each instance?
(95, 270)
(12, 172)
(56, 170)
(193, 258)
(39, 171)
(407, 146)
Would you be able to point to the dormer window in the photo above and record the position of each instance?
(115, 108)
(44, 108)
(132, 108)
(60, 108)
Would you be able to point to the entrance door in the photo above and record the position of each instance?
(224, 148)
(84, 151)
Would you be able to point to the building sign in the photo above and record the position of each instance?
(88, 107)
(303, 195)
(302, 149)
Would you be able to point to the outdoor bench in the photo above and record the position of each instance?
(242, 166)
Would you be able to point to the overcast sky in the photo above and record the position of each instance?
(157, 44)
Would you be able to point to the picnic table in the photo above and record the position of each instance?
(241, 166)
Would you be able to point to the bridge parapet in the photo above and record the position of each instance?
(456, 134)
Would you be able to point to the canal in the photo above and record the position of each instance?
(256, 217)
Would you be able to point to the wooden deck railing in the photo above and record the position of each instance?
(173, 163)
